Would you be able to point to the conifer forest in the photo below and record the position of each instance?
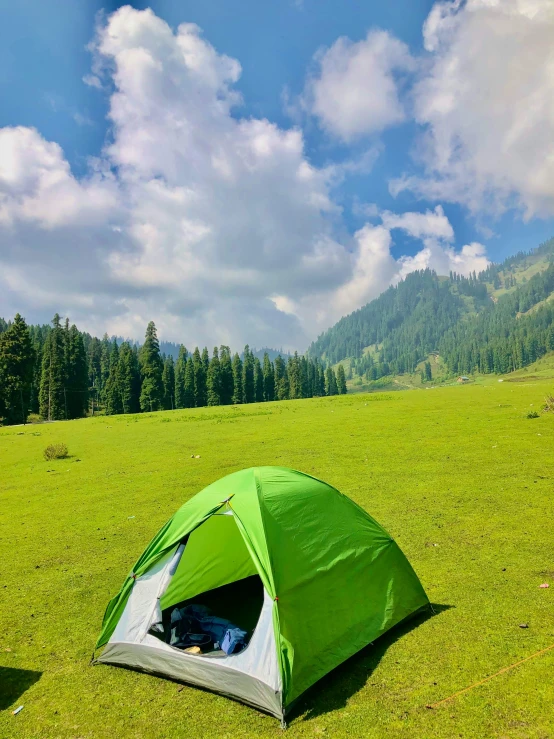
(58, 372)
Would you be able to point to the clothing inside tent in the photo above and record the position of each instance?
(217, 572)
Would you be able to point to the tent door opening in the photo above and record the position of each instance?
(236, 606)
(214, 599)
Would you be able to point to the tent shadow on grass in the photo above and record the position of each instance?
(13, 683)
(333, 691)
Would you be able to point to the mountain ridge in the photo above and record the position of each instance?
(498, 320)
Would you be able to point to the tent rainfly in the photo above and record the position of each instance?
(306, 572)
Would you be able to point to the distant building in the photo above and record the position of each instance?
(463, 379)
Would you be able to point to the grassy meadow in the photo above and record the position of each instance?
(458, 475)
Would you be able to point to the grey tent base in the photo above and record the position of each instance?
(243, 701)
(208, 674)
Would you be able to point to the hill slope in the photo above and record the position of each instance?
(498, 321)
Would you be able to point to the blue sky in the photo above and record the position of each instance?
(43, 56)
(295, 75)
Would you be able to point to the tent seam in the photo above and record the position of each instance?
(284, 687)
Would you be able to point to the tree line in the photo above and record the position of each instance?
(59, 372)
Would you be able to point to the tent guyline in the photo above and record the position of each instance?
(260, 599)
(490, 677)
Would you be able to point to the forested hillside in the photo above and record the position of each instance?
(496, 321)
(59, 372)
(508, 334)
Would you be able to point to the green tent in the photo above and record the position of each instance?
(306, 572)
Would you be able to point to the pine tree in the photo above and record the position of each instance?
(295, 377)
(279, 370)
(341, 380)
(237, 380)
(104, 365)
(319, 379)
(94, 371)
(16, 371)
(282, 388)
(304, 379)
(66, 354)
(281, 379)
(76, 374)
(321, 383)
(258, 381)
(248, 392)
(51, 395)
(151, 394)
(112, 393)
(306, 369)
(269, 378)
(532, 348)
(227, 380)
(128, 379)
(37, 338)
(214, 380)
(180, 368)
(550, 339)
(205, 360)
(168, 381)
(200, 387)
(428, 373)
(330, 382)
(188, 395)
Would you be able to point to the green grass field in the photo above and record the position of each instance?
(458, 475)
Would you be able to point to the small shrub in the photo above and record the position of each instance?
(532, 414)
(55, 451)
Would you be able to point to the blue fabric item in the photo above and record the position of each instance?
(215, 627)
(197, 618)
(233, 641)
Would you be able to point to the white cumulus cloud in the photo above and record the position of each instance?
(481, 94)
(485, 102)
(432, 223)
(353, 90)
(213, 224)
